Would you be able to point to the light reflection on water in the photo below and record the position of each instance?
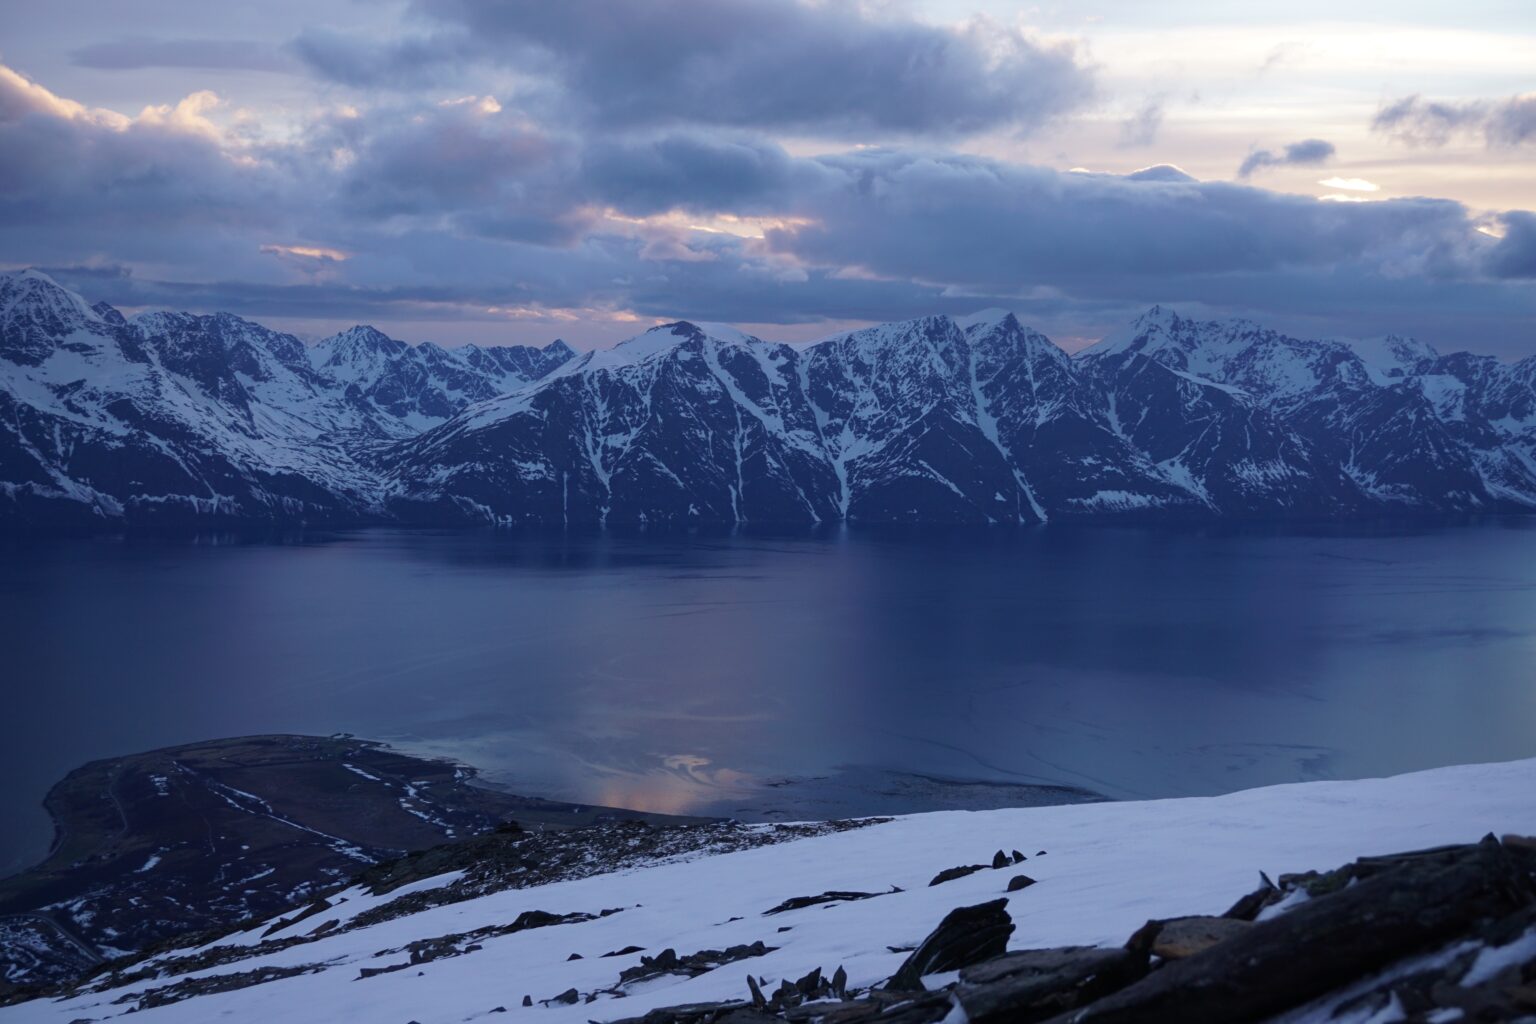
(772, 676)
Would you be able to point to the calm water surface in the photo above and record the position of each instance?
(692, 674)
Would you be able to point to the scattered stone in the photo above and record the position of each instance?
(493, 862)
(210, 984)
(1450, 933)
(458, 944)
(527, 1000)
(1000, 860)
(950, 874)
(373, 972)
(692, 965)
(318, 906)
(626, 951)
(1018, 882)
(573, 956)
(799, 902)
(1039, 853)
(1019, 858)
(567, 998)
(966, 936)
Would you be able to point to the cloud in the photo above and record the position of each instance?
(87, 173)
(1161, 172)
(831, 67)
(959, 219)
(1350, 184)
(396, 63)
(1140, 129)
(1306, 153)
(137, 52)
(1419, 122)
(686, 171)
(1514, 256)
(414, 209)
(20, 97)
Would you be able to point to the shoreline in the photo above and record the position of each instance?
(199, 836)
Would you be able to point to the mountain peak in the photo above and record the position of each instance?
(985, 318)
(364, 333)
(1158, 316)
(33, 294)
(1154, 329)
(33, 274)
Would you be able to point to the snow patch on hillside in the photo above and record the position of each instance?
(1102, 871)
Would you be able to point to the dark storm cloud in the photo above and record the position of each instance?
(964, 219)
(690, 172)
(1421, 122)
(440, 160)
(438, 211)
(828, 67)
(1515, 254)
(137, 52)
(403, 63)
(1306, 153)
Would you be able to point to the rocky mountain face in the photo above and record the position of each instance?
(175, 419)
(208, 420)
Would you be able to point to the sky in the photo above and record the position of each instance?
(516, 171)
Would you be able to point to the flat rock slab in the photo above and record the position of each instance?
(1036, 984)
(1185, 936)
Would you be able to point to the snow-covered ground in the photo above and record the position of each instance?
(1107, 869)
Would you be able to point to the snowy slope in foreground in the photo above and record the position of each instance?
(1108, 869)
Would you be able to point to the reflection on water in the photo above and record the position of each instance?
(789, 676)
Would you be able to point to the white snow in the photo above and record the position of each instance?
(1388, 356)
(984, 318)
(285, 413)
(1494, 959)
(1107, 869)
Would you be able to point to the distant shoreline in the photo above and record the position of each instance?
(199, 835)
(196, 837)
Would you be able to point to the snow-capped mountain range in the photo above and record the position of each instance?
(183, 419)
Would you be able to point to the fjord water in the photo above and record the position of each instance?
(787, 676)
